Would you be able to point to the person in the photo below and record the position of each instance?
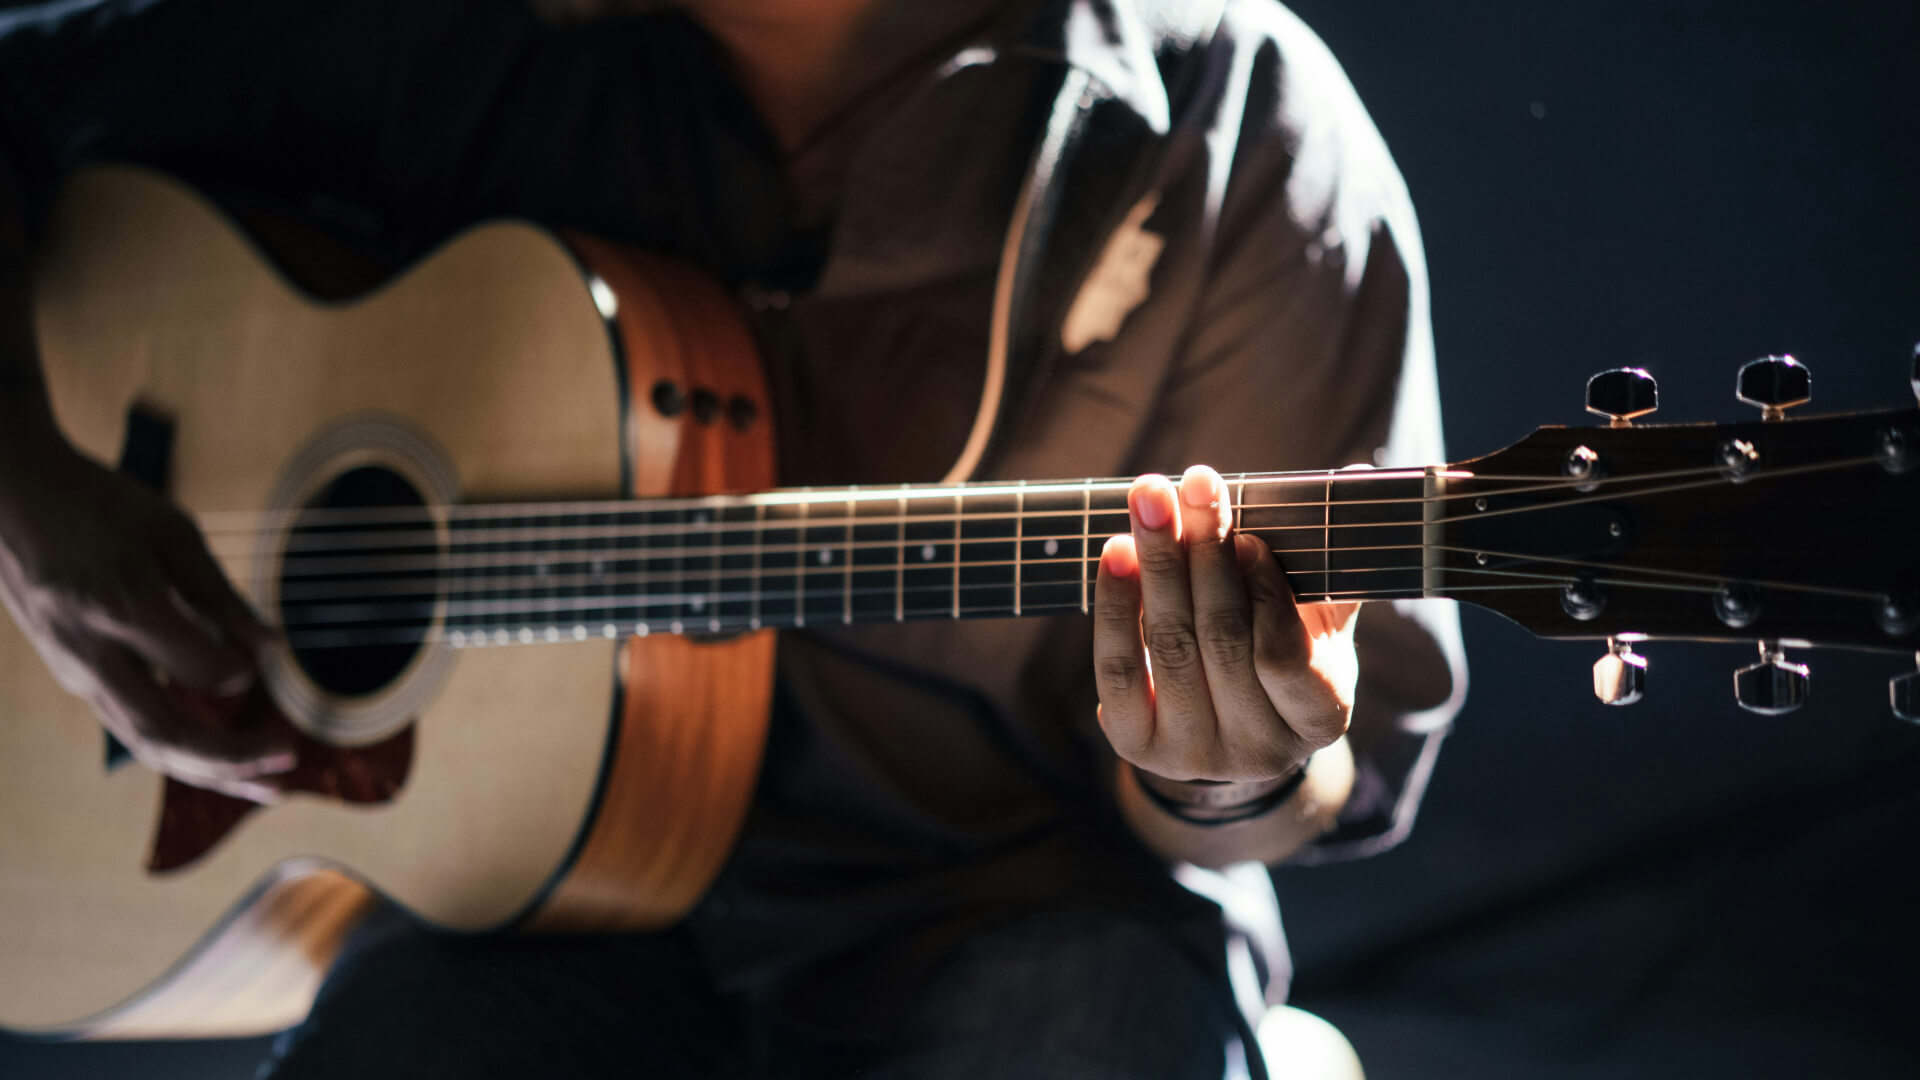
(1176, 226)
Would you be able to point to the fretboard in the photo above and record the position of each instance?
(819, 557)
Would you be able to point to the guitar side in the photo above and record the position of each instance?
(591, 785)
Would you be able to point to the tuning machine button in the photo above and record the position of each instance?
(1620, 677)
(1622, 395)
(1772, 686)
(1904, 691)
(1774, 384)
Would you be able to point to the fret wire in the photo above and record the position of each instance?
(900, 566)
(800, 569)
(1086, 529)
(759, 540)
(1326, 512)
(1019, 536)
(846, 603)
(956, 555)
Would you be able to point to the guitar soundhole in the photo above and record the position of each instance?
(359, 582)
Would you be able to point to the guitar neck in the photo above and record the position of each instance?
(811, 557)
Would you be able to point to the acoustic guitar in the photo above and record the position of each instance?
(515, 513)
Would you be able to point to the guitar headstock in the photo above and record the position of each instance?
(1789, 533)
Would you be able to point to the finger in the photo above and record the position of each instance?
(1119, 657)
(190, 650)
(147, 717)
(1283, 656)
(207, 591)
(1183, 709)
(1222, 619)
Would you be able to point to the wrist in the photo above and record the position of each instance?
(1214, 802)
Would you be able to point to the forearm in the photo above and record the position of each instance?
(1269, 838)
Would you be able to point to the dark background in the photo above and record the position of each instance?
(1678, 888)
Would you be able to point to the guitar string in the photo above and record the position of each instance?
(294, 520)
(835, 589)
(317, 566)
(682, 623)
(843, 590)
(551, 580)
(319, 597)
(799, 525)
(312, 566)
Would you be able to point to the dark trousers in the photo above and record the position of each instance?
(1058, 996)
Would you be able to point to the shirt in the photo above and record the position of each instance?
(921, 779)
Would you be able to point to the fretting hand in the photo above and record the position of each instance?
(1206, 667)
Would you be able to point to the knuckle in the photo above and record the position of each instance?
(1120, 673)
(1173, 647)
(1284, 653)
(1226, 636)
(1161, 559)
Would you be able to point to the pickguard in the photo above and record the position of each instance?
(193, 820)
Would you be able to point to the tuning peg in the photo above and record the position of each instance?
(1620, 677)
(1622, 395)
(1904, 690)
(1774, 384)
(1772, 686)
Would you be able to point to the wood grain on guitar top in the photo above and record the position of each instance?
(495, 352)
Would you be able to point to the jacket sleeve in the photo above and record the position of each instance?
(1312, 348)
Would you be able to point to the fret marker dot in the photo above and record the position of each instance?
(499, 637)
(579, 633)
(926, 552)
(826, 556)
(610, 631)
(457, 638)
(697, 603)
(675, 626)
(526, 635)
(553, 633)
(713, 625)
(640, 629)
(1052, 547)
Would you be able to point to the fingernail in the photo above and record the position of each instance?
(1117, 556)
(1149, 504)
(1200, 487)
(1246, 550)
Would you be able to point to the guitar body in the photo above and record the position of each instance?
(589, 785)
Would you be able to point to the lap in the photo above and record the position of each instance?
(1057, 995)
(404, 1002)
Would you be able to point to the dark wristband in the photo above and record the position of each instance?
(1209, 813)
